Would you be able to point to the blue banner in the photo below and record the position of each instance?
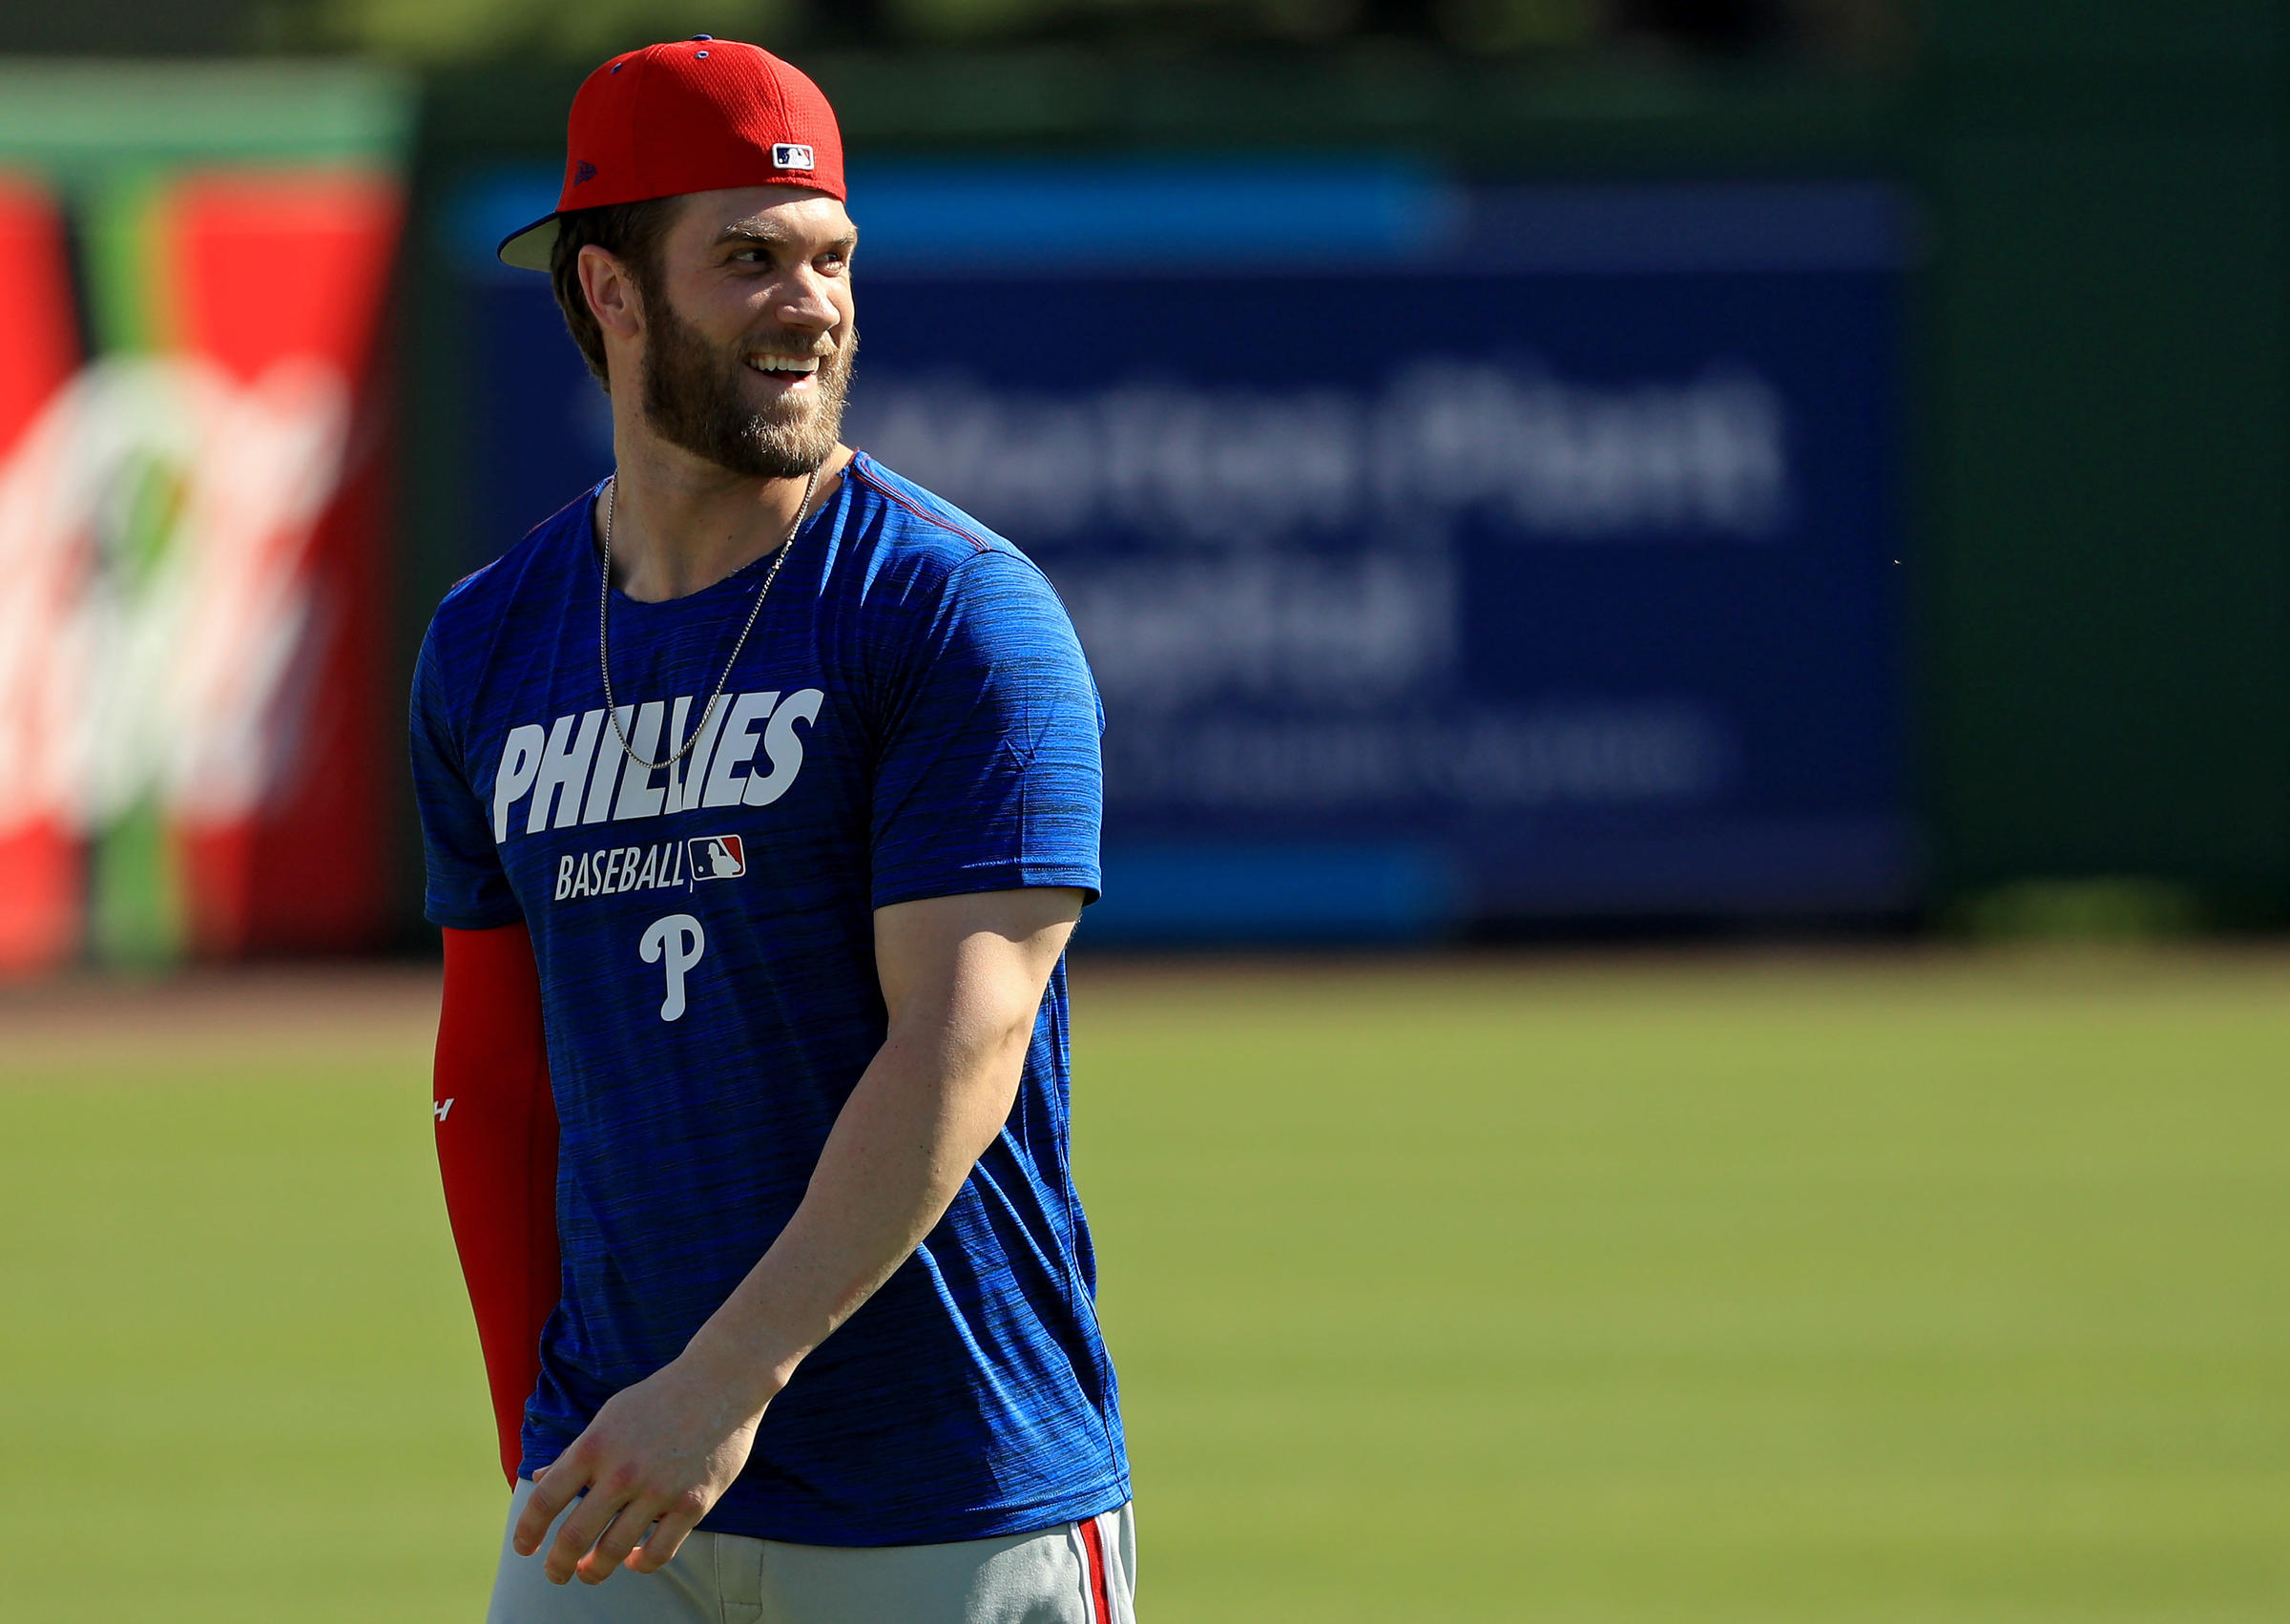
(1443, 553)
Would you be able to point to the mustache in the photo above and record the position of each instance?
(819, 348)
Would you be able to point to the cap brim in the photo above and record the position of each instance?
(528, 248)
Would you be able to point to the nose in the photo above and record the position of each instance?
(806, 304)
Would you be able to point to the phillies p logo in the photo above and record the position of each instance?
(676, 942)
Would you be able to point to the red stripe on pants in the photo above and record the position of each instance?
(1101, 1606)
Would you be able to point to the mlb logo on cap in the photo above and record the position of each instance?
(717, 857)
(789, 155)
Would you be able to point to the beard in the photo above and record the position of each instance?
(693, 399)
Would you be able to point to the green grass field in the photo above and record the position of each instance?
(1644, 1289)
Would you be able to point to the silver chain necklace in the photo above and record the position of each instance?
(604, 604)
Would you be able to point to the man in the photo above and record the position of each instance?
(762, 787)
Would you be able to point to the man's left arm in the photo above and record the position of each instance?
(962, 978)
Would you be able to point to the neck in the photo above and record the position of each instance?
(681, 524)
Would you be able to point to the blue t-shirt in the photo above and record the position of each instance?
(911, 718)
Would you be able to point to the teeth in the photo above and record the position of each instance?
(783, 362)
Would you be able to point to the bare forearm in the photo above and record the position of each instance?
(925, 1111)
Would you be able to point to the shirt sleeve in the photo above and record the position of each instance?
(990, 778)
(466, 889)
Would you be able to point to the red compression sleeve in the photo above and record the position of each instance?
(496, 1149)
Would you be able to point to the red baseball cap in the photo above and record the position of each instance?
(698, 116)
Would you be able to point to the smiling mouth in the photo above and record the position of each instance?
(789, 369)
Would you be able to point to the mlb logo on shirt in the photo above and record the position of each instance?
(790, 155)
(717, 857)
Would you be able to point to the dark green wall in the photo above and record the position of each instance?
(2105, 627)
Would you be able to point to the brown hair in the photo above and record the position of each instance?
(630, 232)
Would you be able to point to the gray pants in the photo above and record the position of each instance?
(727, 1578)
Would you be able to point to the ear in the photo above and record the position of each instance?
(611, 292)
